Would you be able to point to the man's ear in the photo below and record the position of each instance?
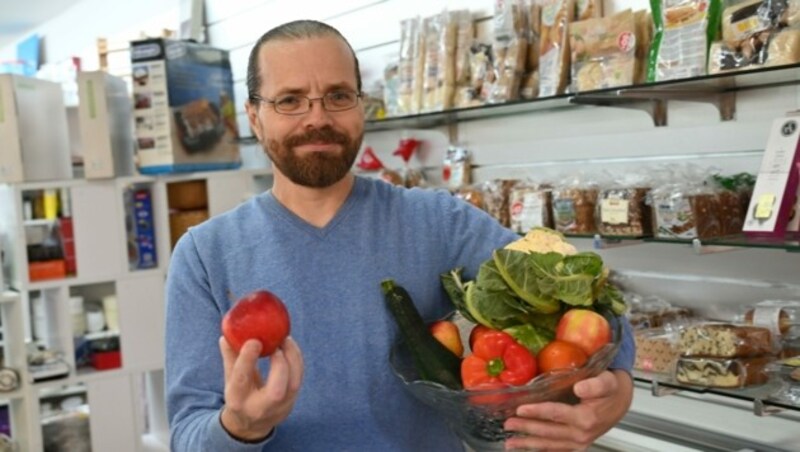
(252, 118)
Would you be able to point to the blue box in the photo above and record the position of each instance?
(184, 111)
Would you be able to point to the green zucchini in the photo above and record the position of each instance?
(433, 361)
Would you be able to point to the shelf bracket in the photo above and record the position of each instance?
(762, 408)
(724, 101)
(656, 108)
(661, 390)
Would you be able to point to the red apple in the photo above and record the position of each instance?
(258, 315)
(447, 333)
(584, 328)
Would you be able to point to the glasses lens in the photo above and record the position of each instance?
(340, 100)
(291, 104)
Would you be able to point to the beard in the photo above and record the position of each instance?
(317, 169)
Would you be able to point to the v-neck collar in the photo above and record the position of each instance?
(273, 206)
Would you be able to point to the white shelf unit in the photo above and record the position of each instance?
(127, 410)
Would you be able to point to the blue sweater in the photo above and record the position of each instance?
(329, 279)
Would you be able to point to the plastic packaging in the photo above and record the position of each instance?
(622, 209)
(574, 206)
(603, 52)
(554, 46)
(780, 316)
(530, 206)
(787, 373)
(655, 351)
(721, 340)
(722, 373)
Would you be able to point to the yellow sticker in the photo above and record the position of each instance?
(764, 206)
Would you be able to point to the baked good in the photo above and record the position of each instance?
(655, 351)
(719, 340)
(722, 373)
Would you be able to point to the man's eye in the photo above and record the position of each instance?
(288, 102)
(339, 96)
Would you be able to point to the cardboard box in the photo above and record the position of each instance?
(775, 192)
(34, 137)
(183, 107)
(106, 125)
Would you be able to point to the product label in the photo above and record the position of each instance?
(614, 211)
(674, 218)
(527, 211)
(768, 316)
(564, 210)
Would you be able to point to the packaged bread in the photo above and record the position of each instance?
(418, 84)
(655, 351)
(409, 43)
(554, 46)
(434, 62)
(510, 48)
(644, 37)
(603, 52)
(779, 316)
(588, 9)
(686, 210)
(574, 209)
(722, 373)
(496, 194)
(471, 194)
(723, 340)
(623, 212)
(534, 33)
(465, 34)
(530, 206)
(766, 49)
(683, 32)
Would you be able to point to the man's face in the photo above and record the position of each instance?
(316, 148)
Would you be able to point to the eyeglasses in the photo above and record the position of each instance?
(293, 104)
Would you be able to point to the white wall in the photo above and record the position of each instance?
(550, 144)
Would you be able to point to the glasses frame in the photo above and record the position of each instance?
(274, 102)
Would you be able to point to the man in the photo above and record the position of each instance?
(322, 240)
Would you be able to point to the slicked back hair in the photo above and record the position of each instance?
(291, 31)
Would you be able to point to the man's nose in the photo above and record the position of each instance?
(317, 116)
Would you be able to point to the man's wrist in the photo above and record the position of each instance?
(229, 425)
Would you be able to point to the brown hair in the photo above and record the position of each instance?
(299, 29)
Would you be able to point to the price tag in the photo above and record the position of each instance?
(764, 206)
(614, 211)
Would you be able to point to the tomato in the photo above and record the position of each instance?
(560, 355)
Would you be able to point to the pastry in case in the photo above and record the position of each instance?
(655, 351)
(720, 340)
(787, 372)
(722, 373)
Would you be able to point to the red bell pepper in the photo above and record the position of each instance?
(497, 358)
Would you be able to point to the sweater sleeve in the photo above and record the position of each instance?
(194, 369)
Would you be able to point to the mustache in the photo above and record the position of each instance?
(326, 135)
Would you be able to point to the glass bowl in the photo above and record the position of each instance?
(477, 416)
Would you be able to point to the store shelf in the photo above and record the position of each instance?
(717, 89)
(737, 241)
(8, 296)
(762, 397)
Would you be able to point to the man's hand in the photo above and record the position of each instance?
(604, 400)
(253, 407)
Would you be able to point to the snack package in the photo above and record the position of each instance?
(465, 35)
(623, 212)
(588, 9)
(684, 30)
(644, 38)
(780, 316)
(692, 206)
(723, 340)
(510, 47)
(787, 372)
(391, 87)
(496, 195)
(554, 55)
(472, 194)
(722, 373)
(457, 167)
(603, 52)
(530, 206)
(574, 207)
(766, 49)
(655, 351)
(409, 49)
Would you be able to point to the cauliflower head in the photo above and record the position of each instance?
(543, 240)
